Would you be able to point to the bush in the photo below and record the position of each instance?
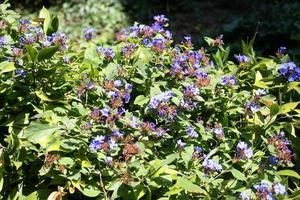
(143, 118)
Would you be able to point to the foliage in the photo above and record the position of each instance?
(143, 118)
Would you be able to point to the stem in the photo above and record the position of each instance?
(102, 186)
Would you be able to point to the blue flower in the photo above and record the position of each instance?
(105, 112)
(160, 19)
(273, 160)
(20, 72)
(108, 160)
(96, 143)
(3, 41)
(279, 189)
(90, 86)
(163, 97)
(211, 165)
(89, 33)
(242, 58)
(243, 151)
(245, 195)
(180, 144)
(192, 133)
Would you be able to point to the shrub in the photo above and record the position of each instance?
(143, 118)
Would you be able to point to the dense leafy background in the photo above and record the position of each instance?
(142, 116)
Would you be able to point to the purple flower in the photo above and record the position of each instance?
(112, 144)
(290, 70)
(279, 189)
(191, 90)
(198, 149)
(128, 87)
(219, 132)
(117, 133)
(3, 41)
(260, 92)
(192, 133)
(245, 195)
(163, 97)
(160, 132)
(66, 59)
(89, 33)
(96, 143)
(117, 83)
(109, 53)
(60, 39)
(90, 86)
(211, 165)
(108, 160)
(228, 80)
(133, 122)
(273, 160)
(126, 97)
(105, 112)
(180, 144)
(20, 73)
(158, 44)
(243, 151)
(242, 58)
(160, 19)
(281, 51)
(121, 111)
(263, 191)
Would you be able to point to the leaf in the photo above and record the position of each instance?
(43, 96)
(91, 56)
(32, 52)
(289, 172)
(258, 82)
(294, 86)
(141, 100)
(47, 53)
(44, 13)
(39, 133)
(54, 24)
(189, 186)
(238, 175)
(6, 67)
(110, 71)
(90, 190)
(285, 108)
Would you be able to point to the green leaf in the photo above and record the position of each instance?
(110, 71)
(289, 172)
(39, 133)
(258, 81)
(54, 24)
(47, 53)
(141, 100)
(189, 186)
(32, 52)
(294, 86)
(44, 13)
(90, 190)
(285, 108)
(238, 175)
(43, 96)
(6, 67)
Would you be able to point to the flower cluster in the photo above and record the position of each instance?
(290, 71)
(264, 191)
(161, 103)
(242, 58)
(228, 80)
(283, 154)
(243, 151)
(211, 166)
